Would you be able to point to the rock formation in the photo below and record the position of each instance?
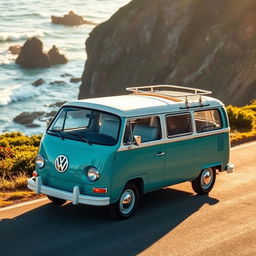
(71, 19)
(27, 118)
(55, 57)
(75, 79)
(38, 82)
(32, 55)
(204, 44)
(15, 49)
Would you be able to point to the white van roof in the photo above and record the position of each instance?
(142, 105)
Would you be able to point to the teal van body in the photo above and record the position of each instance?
(81, 156)
(110, 150)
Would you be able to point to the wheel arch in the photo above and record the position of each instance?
(139, 182)
(216, 166)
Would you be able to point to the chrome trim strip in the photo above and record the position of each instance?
(203, 134)
(173, 139)
(75, 197)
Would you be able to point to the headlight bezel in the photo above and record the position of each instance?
(93, 174)
(39, 162)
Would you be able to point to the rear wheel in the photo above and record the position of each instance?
(125, 207)
(204, 183)
(56, 201)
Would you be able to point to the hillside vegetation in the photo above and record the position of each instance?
(17, 153)
(243, 123)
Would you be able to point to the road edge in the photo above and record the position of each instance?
(23, 204)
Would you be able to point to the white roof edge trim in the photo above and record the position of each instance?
(137, 105)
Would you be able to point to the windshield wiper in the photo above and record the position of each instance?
(58, 132)
(82, 137)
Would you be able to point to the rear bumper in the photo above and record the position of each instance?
(229, 168)
(36, 185)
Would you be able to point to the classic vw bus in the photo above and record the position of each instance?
(111, 150)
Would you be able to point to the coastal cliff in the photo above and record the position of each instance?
(196, 43)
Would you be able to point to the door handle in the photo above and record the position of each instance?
(160, 153)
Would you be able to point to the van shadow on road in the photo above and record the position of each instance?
(84, 230)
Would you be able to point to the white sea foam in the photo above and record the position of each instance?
(16, 93)
(7, 58)
(15, 37)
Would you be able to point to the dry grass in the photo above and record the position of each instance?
(18, 182)
(13, 197)
(15, 190)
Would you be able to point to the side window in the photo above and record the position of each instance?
(148, 128)
(207, 120)
(178, 125)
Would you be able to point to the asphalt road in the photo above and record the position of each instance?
(172, 221)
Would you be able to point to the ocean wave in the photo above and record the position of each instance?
(16, 93)
(24, 14)
(6, 58)
(14, 37)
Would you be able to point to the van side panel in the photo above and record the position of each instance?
(211, 150)
(139, 162)
(179, 164)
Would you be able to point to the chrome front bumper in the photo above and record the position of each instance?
(76, 198)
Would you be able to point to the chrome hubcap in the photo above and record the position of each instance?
(127, 201)
(206, 178)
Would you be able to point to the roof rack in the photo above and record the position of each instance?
(171, 92)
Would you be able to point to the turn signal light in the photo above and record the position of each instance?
(34, 174)
(100, 190)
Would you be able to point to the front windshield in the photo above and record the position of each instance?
(87, 125)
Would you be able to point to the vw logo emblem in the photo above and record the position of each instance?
(61, 163)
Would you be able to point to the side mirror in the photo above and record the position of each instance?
(137, 140)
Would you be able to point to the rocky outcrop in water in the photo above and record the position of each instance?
(15, 49)
(71, 19)
(32, 55)
(75, 79)
(55, 57)
(28, 118)
(204, 44)
(38, 82)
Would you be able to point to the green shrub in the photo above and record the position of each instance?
(241, 119)
(17, 153)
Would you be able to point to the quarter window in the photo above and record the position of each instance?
(178, 125)
(148, 128)
(208, 120)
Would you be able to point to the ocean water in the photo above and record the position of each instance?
(21, 19)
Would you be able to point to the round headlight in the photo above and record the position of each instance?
(39, 161)
(93, 174)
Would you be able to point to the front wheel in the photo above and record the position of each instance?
(127, 203)
(56, 201)
(204, 183)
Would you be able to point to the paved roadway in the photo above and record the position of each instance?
(171, 221)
